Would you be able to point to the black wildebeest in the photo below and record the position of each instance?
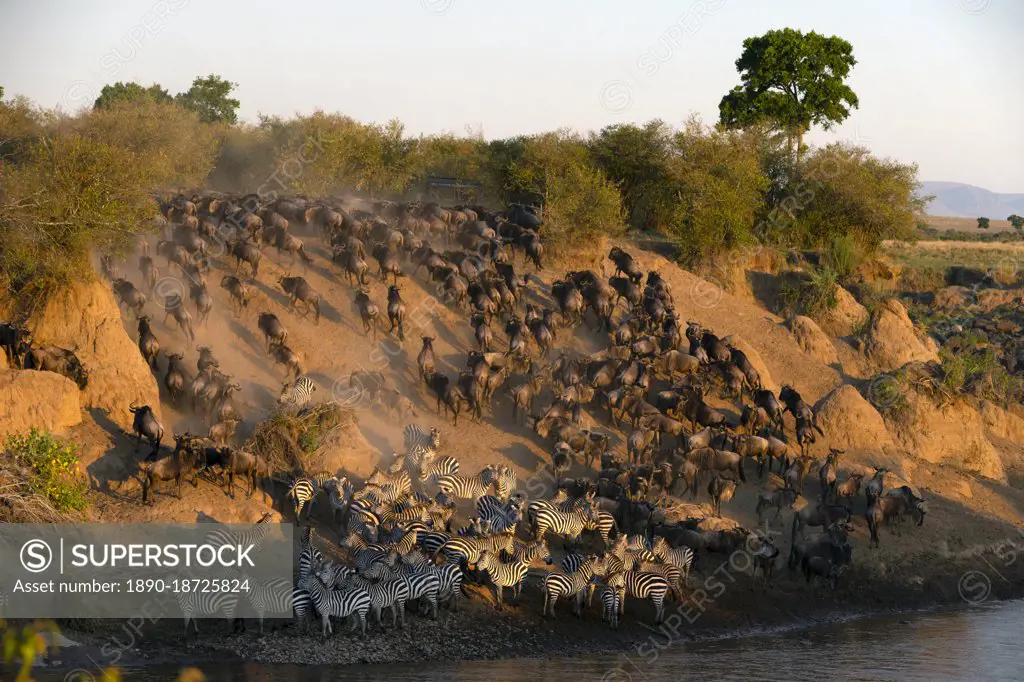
(369, 313)
(396, 311)
(273, 330)
(721, 490)
(173, 467)
(176, 380)
(624, 264)
(148, 345)
(448, 394)
(15, 341)
(246, 252)
(59, 360)
(239, 292)
(298, 289)
(283, 355)
(425, 360)
(130, 297)
(145, 423)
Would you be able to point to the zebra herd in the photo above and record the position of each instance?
(398, 545)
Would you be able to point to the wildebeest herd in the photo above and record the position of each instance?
(419, 526)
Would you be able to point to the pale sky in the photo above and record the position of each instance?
(941, 82)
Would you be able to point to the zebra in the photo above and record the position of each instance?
(673, 574)
(403, 512)
(304, 491)
(297, 394)
(195, 605)
(568, 585)
(336, 603)
(644, 585)
(463, 487)
(424, 582)
(339, 494)
(449, 578)
(566, 525)
(365, 554)
(680, 557)
(419, 442)
(503, 479)
(250, 536)
(310, 558)
(503, 574)
(302, 606)
(269, 595)
(432, 470)
(432, 541)
(604, 524)
(610, 605)
(503, 517)
(392, 592)
(465, 551)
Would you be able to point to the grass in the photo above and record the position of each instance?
(50, 470)
(980, 373)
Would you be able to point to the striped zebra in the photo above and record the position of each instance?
(431, 470)
(195, 605)
(421, 443)
(390, 593)
(449, 578)
(502, 478)
(673, 574)
(310, 558)
(302, 607)
(432, 541)
(365, 554)
(502, 574)
(463, 487)
(503, 516)
(610, 597)
(336, 604)
(569, 585)
(250, 536)
(272, 595)
(304, 491)
(424, 582)
(566, 525)
(604, 524)
(403, 512)
(339, 494)
(297, 394)
(464, 551)
(680, 557)
(643, 585)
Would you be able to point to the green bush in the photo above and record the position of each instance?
(54, 469)
(843, 256)
(811, 294)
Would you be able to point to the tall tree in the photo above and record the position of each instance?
(983, 223)
(1016, 221)
(210, 97)
(129, 92)
(793, 81)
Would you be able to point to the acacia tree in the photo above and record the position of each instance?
(1016, 221)
(130, 92)
(210, 97)
(793, 81)
(983, 223)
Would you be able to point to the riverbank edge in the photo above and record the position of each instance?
(477, 632)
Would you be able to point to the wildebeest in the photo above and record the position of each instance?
(823, 515)
(246, 252)
(283, 355)
(174, 466)
(145, 423)
(15, 341)
(425, 360)
(203, 301)
(890, 509)
(273, 330)
(721, 490)
(59, 360)
(298, 289)
(396, 311)
(239, 292)
(176, 379)
(624, 264)
(130, 297)
(779, 499)
(369, 313)
(148, 345)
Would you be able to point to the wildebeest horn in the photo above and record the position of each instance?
(132, 407)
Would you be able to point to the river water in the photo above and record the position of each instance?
(982, 643)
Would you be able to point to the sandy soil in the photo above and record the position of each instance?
(968, 519)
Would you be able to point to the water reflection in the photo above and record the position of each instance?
(977, 644)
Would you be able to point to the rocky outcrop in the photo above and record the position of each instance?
(850, 422)
(85, 318)
(43, 400)
(812, 340)
(892, 341)
(847, 316)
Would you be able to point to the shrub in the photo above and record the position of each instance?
(843, 256)
(812, 293)
(53, 467)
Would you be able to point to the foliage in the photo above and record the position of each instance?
(719, 188)
(812, 293)
(792, 80)
(22, 645)
(1016, 221)
(844, 190)
(210, 97)
(983, 223)
(53, 467)
(980, 373)
(636, 159)
(130, 92)
(843, 256)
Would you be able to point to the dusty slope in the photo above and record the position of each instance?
(966, 515)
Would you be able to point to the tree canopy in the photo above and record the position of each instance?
(1016, 221)
(130, 92)
(793, 81)
(983, 223)
(210, 97)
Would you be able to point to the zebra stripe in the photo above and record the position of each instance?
(195, 605)
(680, 557)
(503, 574)
(567, 525)
(416, 436)
(432, 470)
(569, 585)
(610, 606)
(297, 394)
(250, 536)
(463, 487)
(336, 604)
(643, 585)
(269, 595)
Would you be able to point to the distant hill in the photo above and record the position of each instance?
(967, 201)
